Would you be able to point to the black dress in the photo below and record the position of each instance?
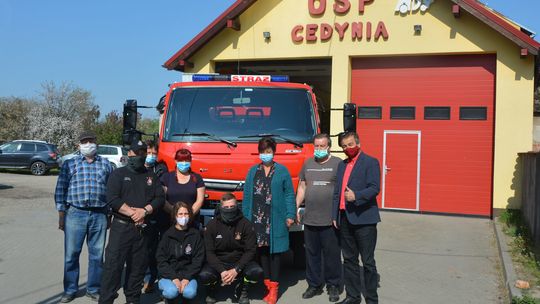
(262, 208)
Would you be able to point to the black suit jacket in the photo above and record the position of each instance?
(364, 181)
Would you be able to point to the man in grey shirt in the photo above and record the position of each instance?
(316, 188)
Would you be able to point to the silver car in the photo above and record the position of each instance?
(117, 155)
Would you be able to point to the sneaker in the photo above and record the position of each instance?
(66, 298)
(93, 296)
(211, 294)
(311, 292)
(333, 293)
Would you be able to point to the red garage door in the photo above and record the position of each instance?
(429, 120)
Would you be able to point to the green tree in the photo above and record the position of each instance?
(109, 131)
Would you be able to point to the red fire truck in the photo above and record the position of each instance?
(220, 119)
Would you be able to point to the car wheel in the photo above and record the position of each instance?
(38, 168)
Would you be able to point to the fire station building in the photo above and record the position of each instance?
(443, 88)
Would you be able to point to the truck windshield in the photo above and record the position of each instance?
(233, 112)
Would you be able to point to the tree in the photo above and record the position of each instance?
(62, 114)
(109, 131)
(13, 113)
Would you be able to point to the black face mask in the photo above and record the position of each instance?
(136, 163)
(229, 215)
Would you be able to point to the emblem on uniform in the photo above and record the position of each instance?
(188, 249)
(149, 180)
(238, 236)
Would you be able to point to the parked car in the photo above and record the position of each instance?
(117, 155)
(38, 156)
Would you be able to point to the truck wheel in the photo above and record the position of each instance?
(298, 250)
(38, 168)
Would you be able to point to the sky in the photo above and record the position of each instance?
(116, 48)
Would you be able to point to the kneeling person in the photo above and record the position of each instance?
(180, 257)
(230, 251)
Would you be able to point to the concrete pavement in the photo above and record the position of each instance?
(421, 258)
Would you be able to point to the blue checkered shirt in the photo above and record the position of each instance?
(82, 184)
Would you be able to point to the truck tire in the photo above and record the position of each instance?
(298, 250)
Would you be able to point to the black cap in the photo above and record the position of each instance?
(137, 145)
(87, 135)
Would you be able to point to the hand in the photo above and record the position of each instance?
(178, 284)
(298, 217)
(183, 285)
(138, 214)
(349, 195)
(335, 224)
(289, 222)
(225, 278)
(61, 220)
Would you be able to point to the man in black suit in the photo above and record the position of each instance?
(356, 214)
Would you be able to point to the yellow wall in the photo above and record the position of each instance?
(441, 34)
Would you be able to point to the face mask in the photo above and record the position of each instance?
(183, 166)
(228, 215)
(88, 149)
(352, 152)
(266, 157)
(182, 221)
(151, 159)
(136, 163)
(321, 153)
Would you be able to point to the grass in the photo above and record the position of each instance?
(523, 250)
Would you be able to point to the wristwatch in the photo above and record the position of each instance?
(145, 211)
(238, 269)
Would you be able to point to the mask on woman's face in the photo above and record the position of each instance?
(183, 166)
(266, 157)
(320, 154)
(88, 149)
(151, 159)
(182, 221)
(136, 162)
(228, 214)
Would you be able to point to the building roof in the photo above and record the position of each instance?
(495, 20)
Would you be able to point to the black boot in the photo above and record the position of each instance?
(242, 292)
(211, 294)
(173, 301)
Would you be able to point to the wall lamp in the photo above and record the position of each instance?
(267, 35)
(417, 29)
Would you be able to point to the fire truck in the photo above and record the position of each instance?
(220, 119)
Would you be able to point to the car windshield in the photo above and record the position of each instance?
(236, 112)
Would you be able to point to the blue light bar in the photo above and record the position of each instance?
(203, 77)
(280, 78)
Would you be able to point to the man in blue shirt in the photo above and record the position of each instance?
(81, 202)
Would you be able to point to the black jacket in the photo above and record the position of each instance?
(134, 189)
(233, 244)
(180, 254)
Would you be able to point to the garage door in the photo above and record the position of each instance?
(430, 122)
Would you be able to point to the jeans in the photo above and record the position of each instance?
(81, 224)
(171, 292)
(322, 252)
(359, 240)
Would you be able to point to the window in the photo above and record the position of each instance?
(369, 112)
(41, 148)
(402, 113)
(106, 150)
(27, 147)
(437, 113)
(473, 113)
(12, 147)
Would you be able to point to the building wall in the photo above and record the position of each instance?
(442, 33)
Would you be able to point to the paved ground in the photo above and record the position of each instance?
(421, 258)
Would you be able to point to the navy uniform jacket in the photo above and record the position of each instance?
(364, 181)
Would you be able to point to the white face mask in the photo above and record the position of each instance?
(182, 221)
(88, 149)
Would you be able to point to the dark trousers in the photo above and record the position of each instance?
(322, 252)
(154, 234)
(127, 246)
(209, 276)
(270, 262)
(359, 240)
